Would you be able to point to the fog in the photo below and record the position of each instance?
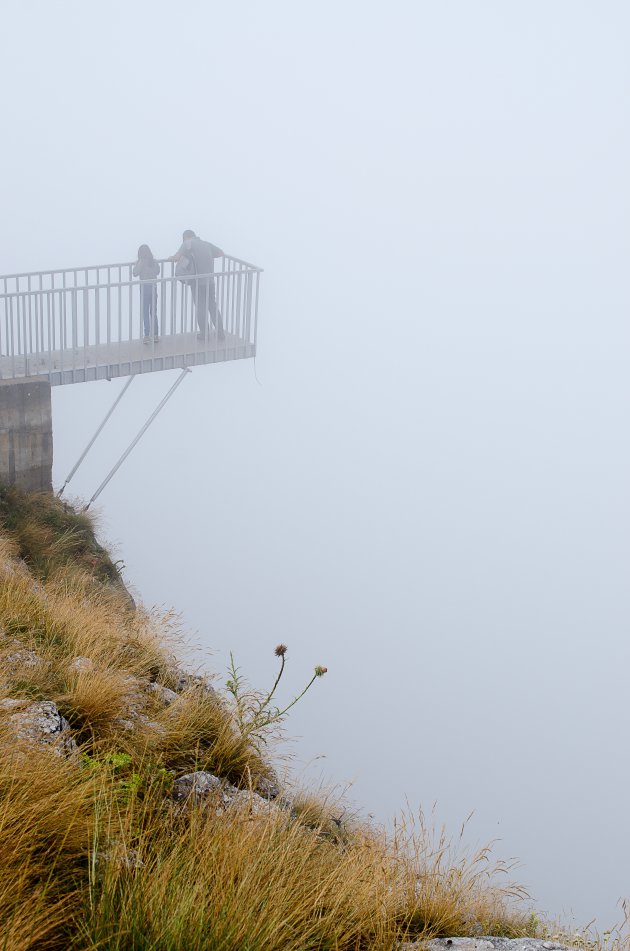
(423, 483)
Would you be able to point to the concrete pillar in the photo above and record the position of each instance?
(26, 439)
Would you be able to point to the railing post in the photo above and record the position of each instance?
(75, 326)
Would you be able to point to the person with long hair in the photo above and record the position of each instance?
(148, 270)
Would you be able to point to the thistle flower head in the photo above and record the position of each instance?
(280, 650)
(320, 671)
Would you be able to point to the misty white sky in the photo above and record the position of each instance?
(429, 492)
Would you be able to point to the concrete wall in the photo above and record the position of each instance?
(26, 439)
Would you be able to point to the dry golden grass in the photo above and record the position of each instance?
(265, 883)
(93, 854)
(455, 889)
(48, 534)
(236, 882)
(95, 701)
(46, 809)
(589, 937)
(88, 865)
(197, 731)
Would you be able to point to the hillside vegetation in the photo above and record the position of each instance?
(105, 839)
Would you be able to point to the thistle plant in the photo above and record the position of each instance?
(256, 713)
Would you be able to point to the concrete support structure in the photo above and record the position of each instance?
(26, 437)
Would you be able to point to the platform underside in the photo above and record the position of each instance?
(127, 358)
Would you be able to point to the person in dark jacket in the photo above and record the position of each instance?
(200, 272)
(148, 270)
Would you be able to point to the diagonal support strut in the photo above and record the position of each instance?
(95, 436)
(137, 439)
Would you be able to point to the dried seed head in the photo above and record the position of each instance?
(280, 650)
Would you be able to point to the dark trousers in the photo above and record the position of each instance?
(205, 303)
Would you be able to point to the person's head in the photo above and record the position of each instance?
(188, 235)
(144, 253)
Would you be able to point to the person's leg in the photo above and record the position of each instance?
(156, 326)
(200, 297)
(215, 316)
(145, 293)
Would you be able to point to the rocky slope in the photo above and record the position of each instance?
(139, 805)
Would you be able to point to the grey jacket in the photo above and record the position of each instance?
(146, 270)
(202, 254)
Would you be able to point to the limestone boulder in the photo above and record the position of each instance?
(38, 724)
(485, 943)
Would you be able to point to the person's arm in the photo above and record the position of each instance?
(136, 269)
(216, 252)
(175, 257)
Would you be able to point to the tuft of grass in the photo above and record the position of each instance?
(49, 534)
(95, 701)
(197, 732)
(448, 891)
(46, 807)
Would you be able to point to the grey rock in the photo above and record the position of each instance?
(18, 660)
(164, 694)
(267, 788)
(120, 856)
(525, 944)
(484, 943)
(81, 663)
(184, 681)
(135, 699)
(40, 724)
(200, 786)
(21, 658)
(123, 724)
(12, 568)
(247, 801)
(461, 944)
(9, 704)
(197, 786)
(135, 721)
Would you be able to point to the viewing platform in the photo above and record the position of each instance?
(81, 324)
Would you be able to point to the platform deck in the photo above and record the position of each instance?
(107, 361)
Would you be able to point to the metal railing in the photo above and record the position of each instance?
(87, 323)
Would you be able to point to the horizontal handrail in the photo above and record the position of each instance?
(135, 282)
(104, 267)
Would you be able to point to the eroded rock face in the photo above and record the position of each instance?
(39, 724)
(203, 786)
(485, 943)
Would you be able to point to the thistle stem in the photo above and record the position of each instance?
(267, 699)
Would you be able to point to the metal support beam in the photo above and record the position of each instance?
(95, 436)
(137, 439)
